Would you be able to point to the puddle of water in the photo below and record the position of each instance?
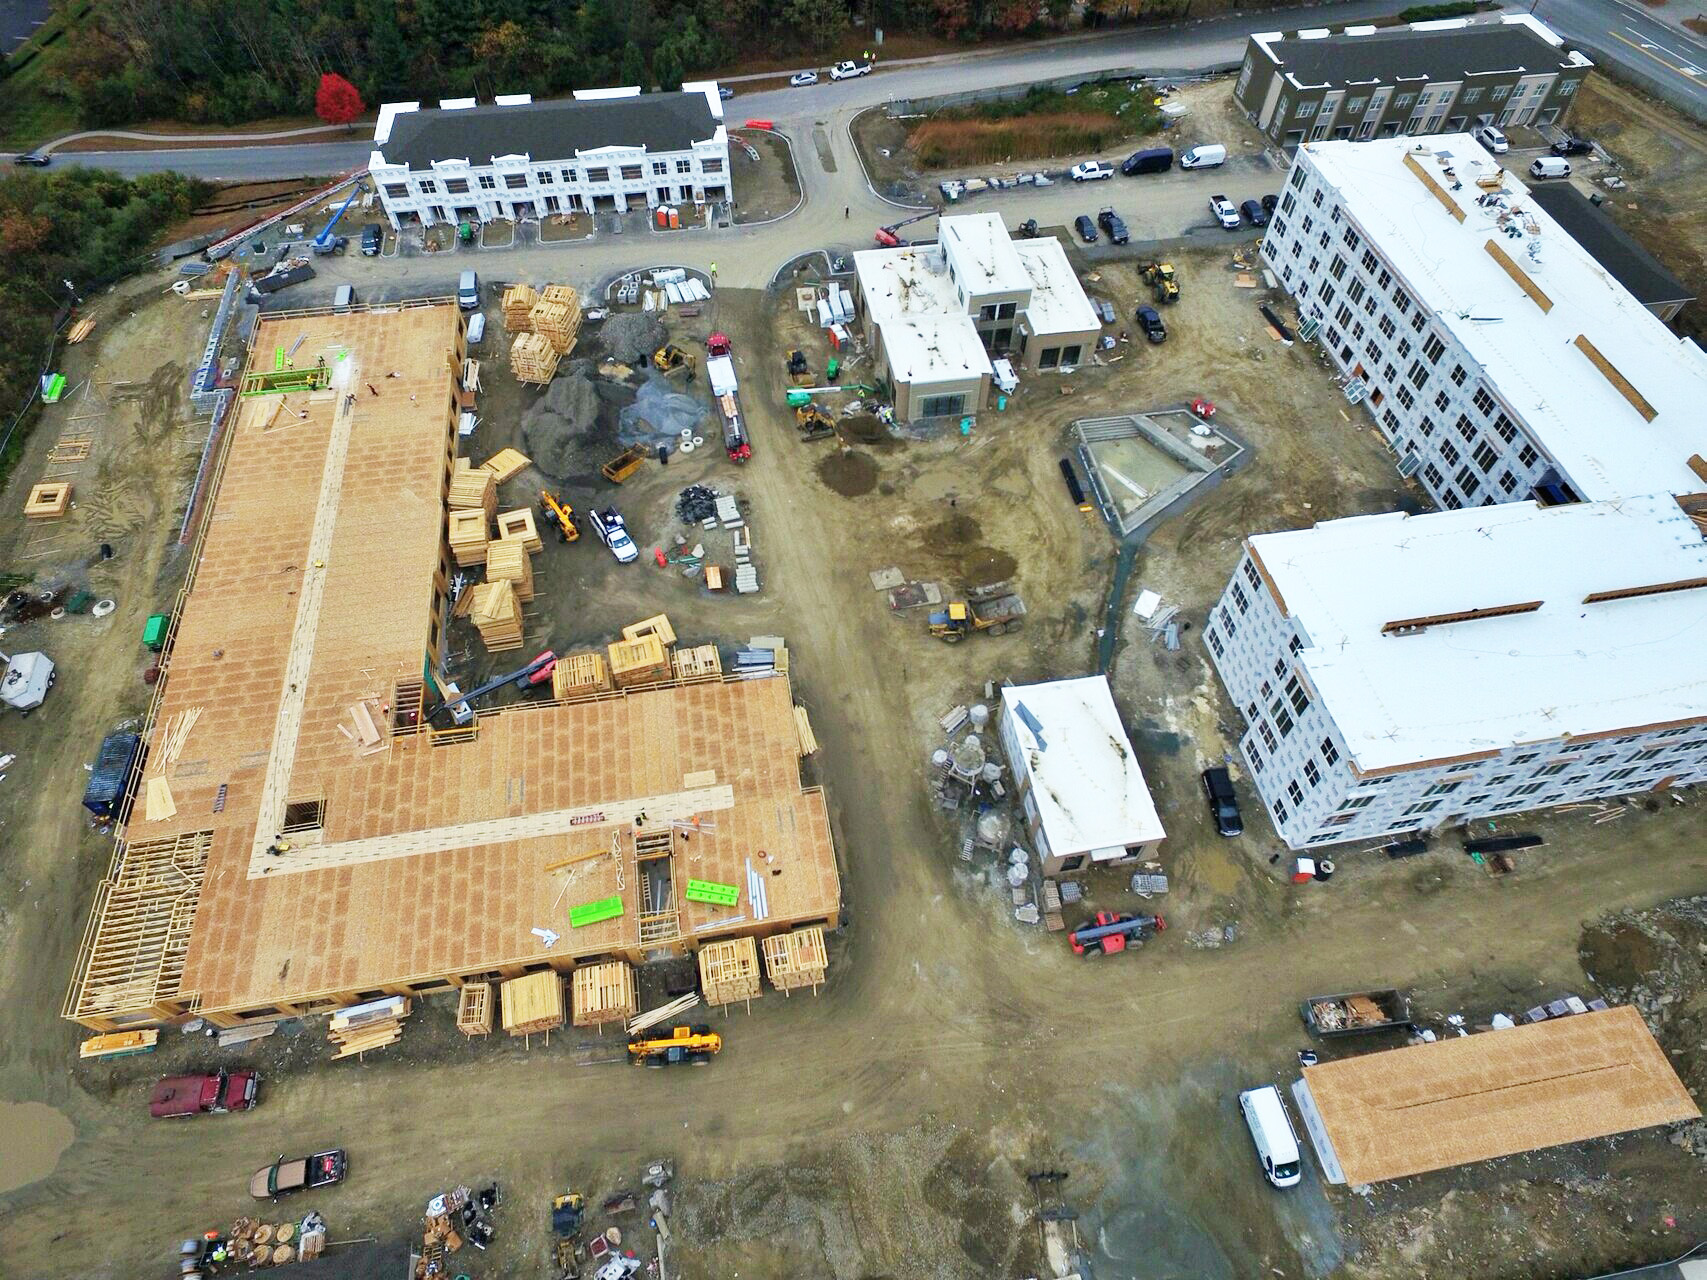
(32, 1138)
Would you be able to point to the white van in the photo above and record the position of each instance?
(1271, 1131)
(1207, 156)
(468, 291)
(1549, 167)
(344, 298)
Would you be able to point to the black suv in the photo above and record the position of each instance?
(1114, 224)
(1573, 147)
(373, 237)
(1150, 321)
(1223, 804)
(1086, 228)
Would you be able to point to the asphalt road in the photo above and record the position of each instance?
(1671, 60)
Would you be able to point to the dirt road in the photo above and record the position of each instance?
(885, 1126)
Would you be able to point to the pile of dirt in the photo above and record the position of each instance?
(849, 474)
(632, 337)
(557, 427)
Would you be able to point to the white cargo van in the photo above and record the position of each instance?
(1549, 167)
(468, 291)
(1271, 1131)
(344, 298)
(1206, 156)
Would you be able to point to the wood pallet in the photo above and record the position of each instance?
(48, 501)
(697, 663)
(729, 971)
(558, 322)
(506, 464)
(576, 674)
(657, 625)
(508, 561)
(474, 1009)
(468, 540)
(797, 959)
(519, 300)
(472, 489)
(518, 526)
(603, 993)
(533, 359)
(497, 615)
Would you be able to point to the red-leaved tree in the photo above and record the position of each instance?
(337, 101)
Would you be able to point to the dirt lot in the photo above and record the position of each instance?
(885, 1126)
(1663, 158)
(769, 186)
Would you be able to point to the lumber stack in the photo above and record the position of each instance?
(474, 1009)
(468, 538)
(560, 321)
(729, 971)
(803, 731)
(472, 489)
(663, 1013)
(576, 675)
(797, 959)
(363, 1027)
(519, 300)
(47, 502)
(119, 1044)
(508, 561)
(533, 1003)
(657, 625)
(603, 993)
(506, 464)
(637, 662)
(533, 359)
(497, 615)
(518, 526)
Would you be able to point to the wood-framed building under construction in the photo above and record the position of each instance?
(309, 864)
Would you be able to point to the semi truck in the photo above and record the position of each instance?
(720, 369)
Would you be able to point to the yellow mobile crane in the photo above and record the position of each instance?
(690, 1045)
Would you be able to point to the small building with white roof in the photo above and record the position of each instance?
(935, 314)
(1403, 672)
(1079, 781)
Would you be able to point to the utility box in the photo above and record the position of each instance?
(104, 795)
(154, 632)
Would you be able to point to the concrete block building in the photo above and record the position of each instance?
(936, 313)
(1499, 359)
(1429, 77)
(1080, 786)
(604, 149)
(1399, 673)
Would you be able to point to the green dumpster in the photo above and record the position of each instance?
(154, 632)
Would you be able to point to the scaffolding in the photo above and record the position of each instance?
(139, 934)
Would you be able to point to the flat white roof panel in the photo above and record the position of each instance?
(1600, 439)
(1568, 668)
(1058, 301)
(1085, 779)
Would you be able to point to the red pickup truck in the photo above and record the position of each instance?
(193, 1095)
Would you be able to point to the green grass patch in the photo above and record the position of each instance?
(1041, 124)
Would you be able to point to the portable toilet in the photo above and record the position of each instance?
(798, 398)
(675, 218)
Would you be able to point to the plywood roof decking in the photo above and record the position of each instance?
(1463, 1099)
(459, 908)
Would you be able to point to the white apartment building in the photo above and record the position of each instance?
(605, 149)
(1399, 673)
(1499, 359)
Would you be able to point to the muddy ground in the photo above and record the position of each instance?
(886, 1125)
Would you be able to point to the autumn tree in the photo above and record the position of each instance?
(337, 100)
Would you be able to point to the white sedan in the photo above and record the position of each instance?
(800, 79)
(1091, 171)
(848, 70)
(1224, 212)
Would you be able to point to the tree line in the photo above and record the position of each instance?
(79, 227)
(229, 61)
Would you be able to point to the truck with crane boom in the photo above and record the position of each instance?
(720, 370)
(459, 704)
(326, 242)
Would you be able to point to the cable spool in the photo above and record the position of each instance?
(57, 614)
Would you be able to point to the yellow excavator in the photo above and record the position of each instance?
(670, 357)
(813, 423)
(690, 1046)
(560, 515)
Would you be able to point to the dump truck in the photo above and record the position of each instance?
(560, 515)
(1355, 1012)
(301, 1173)
(690, 1046)
(1164, 284)
(720, 369)
(997, 615)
